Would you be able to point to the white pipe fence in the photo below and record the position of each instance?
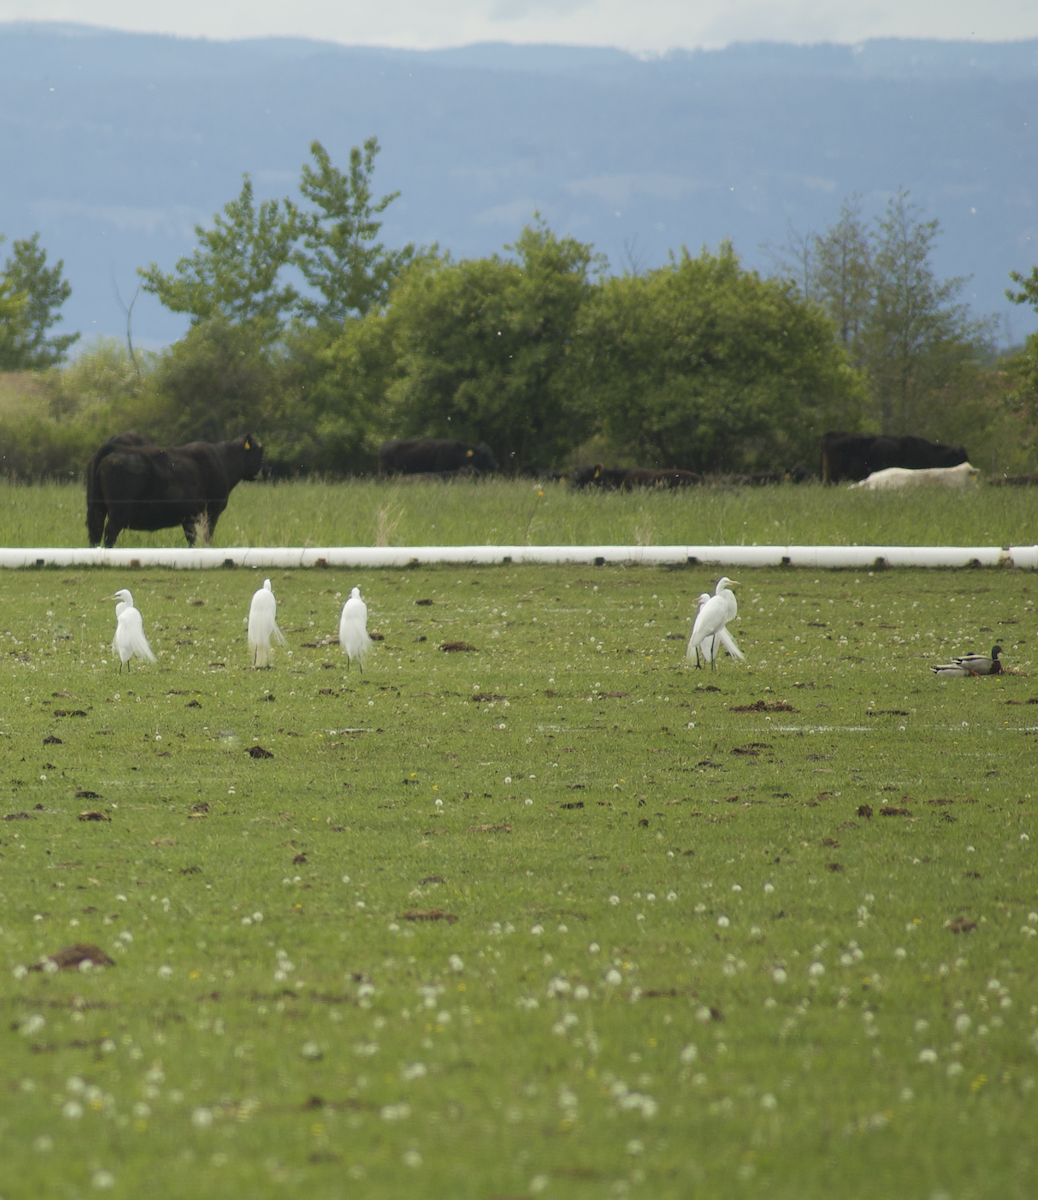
(819, 557)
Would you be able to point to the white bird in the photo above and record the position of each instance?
(353, 630)
(708, 630)
(722, 589)
(710, 619)
(724, 637)
(263, 625)
(129, 631)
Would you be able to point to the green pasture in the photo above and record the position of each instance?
(369, 512)
(556, 917)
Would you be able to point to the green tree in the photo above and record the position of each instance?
(917, 345)
(237, 270)
(482, 347)
(233, 274)
(12, 308)
(215, 383)
(1023, 365)
(841, 276)
(339, 256)
(25, 344)
(703, 365)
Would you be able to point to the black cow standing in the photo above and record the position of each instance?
(134, 484)
(434, 456)
(608, 478)
(97, 509)
(850, 456)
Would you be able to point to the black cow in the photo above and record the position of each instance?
(850, 456)
(609, 478)
(137, 485)
(97, 509)
(644, 477)
(1014, 480)
(434, 456)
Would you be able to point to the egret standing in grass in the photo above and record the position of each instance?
(129, 637)
(353, 630)
(723, 589)
(708, 630)
(263, 625)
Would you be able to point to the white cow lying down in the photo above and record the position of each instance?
(963, 475)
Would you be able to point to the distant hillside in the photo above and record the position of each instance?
(115, 144)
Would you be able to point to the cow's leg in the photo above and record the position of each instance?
(112, 530)
(96, 514)
(188, 525)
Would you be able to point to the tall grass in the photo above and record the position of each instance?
(508, 512)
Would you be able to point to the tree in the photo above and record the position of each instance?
(1023, 366)
(215, 383)
(339, 256)
(703, 365)
(483, 345)
(12, 307)
(841, 274)
(237, 270)
(24, 341)
(918, 345)
(233, 274)
(919, 349)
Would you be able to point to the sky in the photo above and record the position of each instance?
(640, 26)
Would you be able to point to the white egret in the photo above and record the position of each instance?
(353, 630)
(708, 630)
(725, 637)
(129, 637)
(722, 589)
(972, 664)
(263, 625)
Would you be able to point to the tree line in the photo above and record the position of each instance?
(306, 329)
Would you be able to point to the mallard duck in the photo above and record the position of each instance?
(972, 664)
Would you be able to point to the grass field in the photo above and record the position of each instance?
(507, 512)
(558, 917)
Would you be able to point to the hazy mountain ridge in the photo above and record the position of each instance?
(116, 144)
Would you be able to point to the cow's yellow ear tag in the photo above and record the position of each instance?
(248, 444)
(468, 453)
